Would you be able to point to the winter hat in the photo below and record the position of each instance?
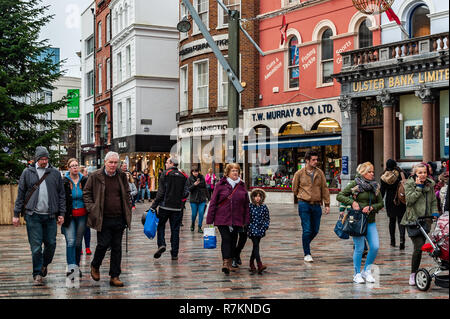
(41, 151)
(391, 164)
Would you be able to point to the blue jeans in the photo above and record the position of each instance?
(374, 244)
(200, 209)
(41, 229)
(310, 217)
(74, 240)
(143, 190)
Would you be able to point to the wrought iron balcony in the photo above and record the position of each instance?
(391, 52)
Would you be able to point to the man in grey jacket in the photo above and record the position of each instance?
(45, 208)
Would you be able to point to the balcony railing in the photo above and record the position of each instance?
(430, 43)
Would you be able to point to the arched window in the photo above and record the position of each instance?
(294, 73)
(327, 125)
(120, 20)
(364, 35)
(419, 23)
(291, 128)
(327, 56)
(126, 16)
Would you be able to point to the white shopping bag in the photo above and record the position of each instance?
(209, 238)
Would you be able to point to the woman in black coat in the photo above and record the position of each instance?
(390, 179)
(197, 197)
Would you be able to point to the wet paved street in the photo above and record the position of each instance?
(197, 272)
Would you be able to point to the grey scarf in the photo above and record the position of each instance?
(364, 185)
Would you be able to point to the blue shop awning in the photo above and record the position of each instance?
(294, 142)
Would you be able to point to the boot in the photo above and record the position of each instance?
(261, 267)
(95, 273)
(192, 227)
(252, 266)
(200, 230)
(226, 266)
(116, 282)
(402, 246)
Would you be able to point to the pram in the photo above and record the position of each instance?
(438, 248)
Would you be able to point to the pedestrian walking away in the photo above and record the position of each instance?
(108, 202)
(197, 197)
(259, 224)
(74, 226)
(364, 194)
(42, 201)
(133, 189)
(310, 187)
(210, 179)
(229, 210)
(420, 201)
(173, 188)
(390, 180)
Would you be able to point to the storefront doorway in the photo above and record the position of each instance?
(371, 149)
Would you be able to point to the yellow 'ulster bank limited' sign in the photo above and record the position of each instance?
(401, 80)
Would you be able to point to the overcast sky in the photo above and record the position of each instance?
(64, 31)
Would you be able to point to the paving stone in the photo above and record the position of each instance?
(197, 273)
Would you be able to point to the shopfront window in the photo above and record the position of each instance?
(411, 128)
(443, 120)
(274, 167)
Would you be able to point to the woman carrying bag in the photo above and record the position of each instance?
(395, 209)
(229, 210)
(420, 201)
(363, 194)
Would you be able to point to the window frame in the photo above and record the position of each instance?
(129, 119)
(100, 76)
(90, 48)
(108, 28)
(184, 88)
(99, 35)
(90, 83)
(195, 29)
(119, 119)
(195, 106)
(289, 67)
(108, 74)
(119, 68)
(221, 14)
(320, 79)
(128, 61)
(220, 84)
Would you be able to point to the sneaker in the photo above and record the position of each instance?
(412, 279)
(159, 252)
(368, 276)
(234, 264)
(88, 251)
(38, 281)
(358, 279)
(308, 259)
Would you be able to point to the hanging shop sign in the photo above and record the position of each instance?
(73, 103)
(405, 80)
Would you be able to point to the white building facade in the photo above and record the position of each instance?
(145, 81)
(88, 152)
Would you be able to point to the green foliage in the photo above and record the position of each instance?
(24, 74)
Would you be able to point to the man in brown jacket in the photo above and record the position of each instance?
(108, 202)
(310, 187)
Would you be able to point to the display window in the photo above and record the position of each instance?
(139, 161)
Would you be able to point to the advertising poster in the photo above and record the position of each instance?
(446, 136)
(413, 138)
(73, 103)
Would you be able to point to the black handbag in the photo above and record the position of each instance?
(355, 223)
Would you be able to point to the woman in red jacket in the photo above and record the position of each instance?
(229, 211)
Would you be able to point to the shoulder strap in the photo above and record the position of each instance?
(33, 189)
(228, 197)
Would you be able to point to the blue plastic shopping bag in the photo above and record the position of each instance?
(209, 238)
(151, 223)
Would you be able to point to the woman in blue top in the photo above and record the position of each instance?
(76, 215)
(259, 223)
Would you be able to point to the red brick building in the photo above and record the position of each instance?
(202, 120)
(103, 93)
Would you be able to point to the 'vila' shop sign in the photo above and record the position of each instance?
(293, 112)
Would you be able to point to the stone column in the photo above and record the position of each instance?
(387, 101)
(349, 136)
(426, 95)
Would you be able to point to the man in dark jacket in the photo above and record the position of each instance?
(173, 188)
(47, 202)
(108, 202)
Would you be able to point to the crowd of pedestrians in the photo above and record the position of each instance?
(104, 201)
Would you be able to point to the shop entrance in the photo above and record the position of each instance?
(371, 149)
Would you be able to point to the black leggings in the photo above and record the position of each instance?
(240, 244)
(401, 228)
(255, 250)
(418, 242)
(229, 240)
